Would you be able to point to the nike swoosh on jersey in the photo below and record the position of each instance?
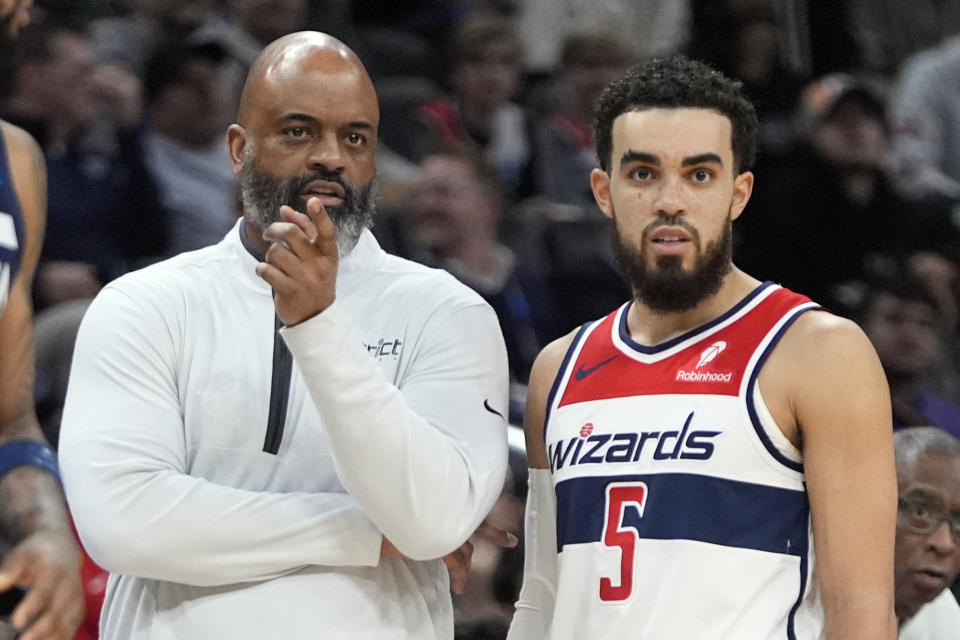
(486, 405)
(582, 373)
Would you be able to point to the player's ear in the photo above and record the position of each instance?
(236, 143)
(600, 183)
(742, 188)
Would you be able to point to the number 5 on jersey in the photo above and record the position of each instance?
(621, 495)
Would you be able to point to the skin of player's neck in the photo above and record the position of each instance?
(650, 327)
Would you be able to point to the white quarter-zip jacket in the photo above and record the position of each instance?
(214, 524)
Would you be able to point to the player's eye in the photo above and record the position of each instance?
(296, 132)
(641, 173)
(702, 175)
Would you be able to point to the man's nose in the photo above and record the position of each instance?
(326, 154)
(670, 200)
(942, 540)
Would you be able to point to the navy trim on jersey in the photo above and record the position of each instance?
(562, 372)
(791, 618)
(684, 506)
(633, 344)
(10, 204)
(751, 384)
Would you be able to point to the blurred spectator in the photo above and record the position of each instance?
(247, 26)
(132, 39)
(887, 32)
(484, 71)
(927, 553)
(744, 39)
(649, 27)
(827, 204)
(104, 214)
(565, 154)
(925, 113)
(189, 108)
(903, 322)
(456, 209)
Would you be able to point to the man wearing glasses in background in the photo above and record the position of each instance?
(927, 553)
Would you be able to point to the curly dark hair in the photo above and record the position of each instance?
(671, 83)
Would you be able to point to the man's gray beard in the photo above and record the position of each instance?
(263, 195)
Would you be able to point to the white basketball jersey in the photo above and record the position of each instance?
(682, 510)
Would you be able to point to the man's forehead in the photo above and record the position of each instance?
(934, 475)
(681, 131)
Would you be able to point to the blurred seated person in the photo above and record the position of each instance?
(484, 66)
(925, 112)
(828, 205)
(189, 107)
(927, 549)
(456, 207)
(104, 213)
(903, 321)
(565, 155)
(133, 38)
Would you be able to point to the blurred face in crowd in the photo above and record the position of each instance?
(592, 72)
(64, 83)
(14, 15)
(195, 108)
(308, 128)
(490, 77)
(926, 563)
(450, 205)
(852, 135)
(905, 334)
(267, 20)
(672, 193)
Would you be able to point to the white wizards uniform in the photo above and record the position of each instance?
(217, 521)
(681, 507)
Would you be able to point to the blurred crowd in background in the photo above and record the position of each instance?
(484, 160)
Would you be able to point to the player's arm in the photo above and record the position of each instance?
(534, 609)
(33, 517)
(123, 455)
(841, 403)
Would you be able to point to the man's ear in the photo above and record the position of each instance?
(600, 183)
(236, 143)
(742, 188)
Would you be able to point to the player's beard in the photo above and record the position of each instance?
(263, 194)
(667, 287)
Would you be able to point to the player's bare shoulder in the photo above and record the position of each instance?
(822, 359)
(542, 376)
(28, 170)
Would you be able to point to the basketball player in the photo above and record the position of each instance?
(693, 449)
(243, 482)
(41, 554)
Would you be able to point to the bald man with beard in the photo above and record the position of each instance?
(288, 434)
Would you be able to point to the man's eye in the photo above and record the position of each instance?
(356, 138)
(702, 175)
(296, 132)
(641, 174)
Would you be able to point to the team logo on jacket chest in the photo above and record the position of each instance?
(629, 446)
(384, 348)
(701, 371)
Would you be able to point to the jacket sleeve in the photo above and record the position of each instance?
(425, 459)
(123, 459)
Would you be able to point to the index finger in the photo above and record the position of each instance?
(326, 238)
(492, 533)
